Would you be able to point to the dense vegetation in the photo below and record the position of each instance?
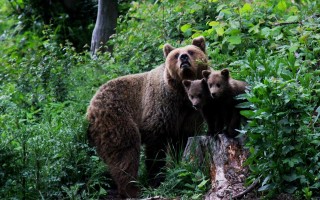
(45, 87)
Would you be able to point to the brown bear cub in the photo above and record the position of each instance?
(150, 109)
(200, 97)
(223, 89)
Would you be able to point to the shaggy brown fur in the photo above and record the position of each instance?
(150, 108)
(200, 97)
(223, 89)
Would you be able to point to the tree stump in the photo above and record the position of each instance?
(227, 170)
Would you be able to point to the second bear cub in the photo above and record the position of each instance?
(223, 88)
(200, 97)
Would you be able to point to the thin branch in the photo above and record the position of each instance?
(286, 23)
(249, 189)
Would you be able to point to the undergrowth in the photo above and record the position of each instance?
(45, 88)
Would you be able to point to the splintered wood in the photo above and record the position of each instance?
(227, 170)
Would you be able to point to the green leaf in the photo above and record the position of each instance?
(292, 19)
(254, 29)
(234, 40)
(185, 27)
(247, 113)
(290, 178)
(202, 184)
(220, 31)
(196, 196)
(294, 47)
(214, 23)
(246, 8)
(282, 6)
(220, 7)
(291, 189)
(264, 188)
(318, 114)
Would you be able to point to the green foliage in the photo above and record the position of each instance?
(183, 179)
(45, 88)
(282, 131)
(147, 26)
(73, 22)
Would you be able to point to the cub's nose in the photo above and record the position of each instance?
(184, 57)
(213, 95)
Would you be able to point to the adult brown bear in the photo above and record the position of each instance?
(149, 108)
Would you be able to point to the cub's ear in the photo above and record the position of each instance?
(186, 84)
(167, 48)
(200, 42)
(225, 73)
(206, 73)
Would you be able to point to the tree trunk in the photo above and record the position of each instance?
(105, 25)
(227, 170)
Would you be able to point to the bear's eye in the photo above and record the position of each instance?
(199, 96)
(218, 85)
(191, 96)
(210, 85)
(176, 56)
(190, 52)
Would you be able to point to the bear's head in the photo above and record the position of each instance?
(218, 82)
(185, 63)
(198, 92)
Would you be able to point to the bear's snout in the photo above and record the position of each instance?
(184, 58)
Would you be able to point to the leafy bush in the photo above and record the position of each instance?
(69, 22)
(45, 88)
(282, 130)
(184, 180)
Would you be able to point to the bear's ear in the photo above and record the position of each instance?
(206, 73)
(167, 48)
(225, 73)
(200, 42)
(186, 84)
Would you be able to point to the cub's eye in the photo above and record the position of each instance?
(190, 52)
(218, 85)
(210, 85)
(191, 96)
(176, 56)
(199, 96)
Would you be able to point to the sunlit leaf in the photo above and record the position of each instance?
(246, 8)
(292, 19)
(220, 31)
(282, 5)
(214, 23)
(185, 27)
(234, 40)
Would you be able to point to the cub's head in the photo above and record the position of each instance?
(198, 92)
(185, 62)
(218, 82)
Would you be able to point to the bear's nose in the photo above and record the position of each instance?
(184, 57)
(213, 95)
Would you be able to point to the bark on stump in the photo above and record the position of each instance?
(227, 170)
